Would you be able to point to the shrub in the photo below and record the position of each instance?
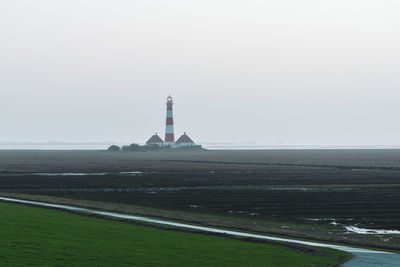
(134, 146)
(114, 148)
(126, 148)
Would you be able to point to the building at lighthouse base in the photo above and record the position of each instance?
(183, 142)
(155, 140)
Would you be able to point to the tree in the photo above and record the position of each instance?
(134, 147)
(126, 148)
(114, 148)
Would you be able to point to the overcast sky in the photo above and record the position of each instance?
(298, 72)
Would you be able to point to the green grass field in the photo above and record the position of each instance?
(41, 237)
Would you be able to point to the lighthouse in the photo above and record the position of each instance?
(169, 127)
(183, 142)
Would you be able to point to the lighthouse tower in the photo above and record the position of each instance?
(169, 127)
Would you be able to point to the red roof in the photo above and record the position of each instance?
(155, 139)
(184, 139)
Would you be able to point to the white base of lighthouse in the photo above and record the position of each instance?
(169, 144)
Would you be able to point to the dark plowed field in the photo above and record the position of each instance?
(346, 186)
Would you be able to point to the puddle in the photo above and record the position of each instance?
(70, 173)
(365, 231)
(134, 173)
(128, 173)
(244, 212)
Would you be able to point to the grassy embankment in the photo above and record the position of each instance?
(43, 237)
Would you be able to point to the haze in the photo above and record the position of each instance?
(300, 72)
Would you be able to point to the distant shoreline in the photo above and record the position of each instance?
(213, 147)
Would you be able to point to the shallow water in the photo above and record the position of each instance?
(70, 173)
(362, 257)
(130, 173)
(366, 231)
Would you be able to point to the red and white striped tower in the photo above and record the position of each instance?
(169, 127)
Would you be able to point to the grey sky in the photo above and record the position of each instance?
(305, 72)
